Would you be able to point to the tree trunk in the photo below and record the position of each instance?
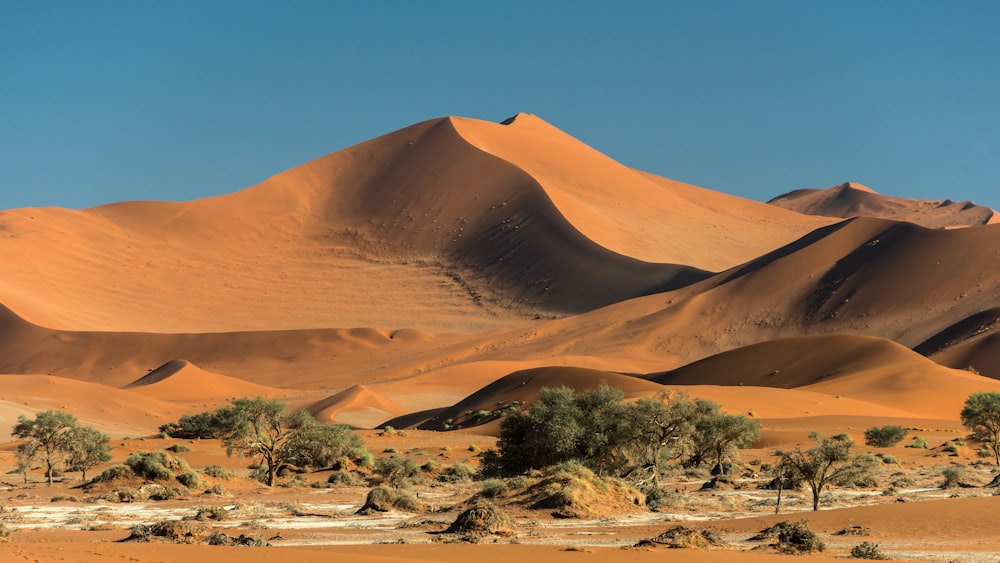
(816, 493)
(48, 472)
(781, 485)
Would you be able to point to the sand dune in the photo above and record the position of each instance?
(182, 381)
(114, 411)
(491, 225)
(357, 406)
(872, 370)
(856, 200)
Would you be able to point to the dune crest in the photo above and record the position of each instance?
(182, 381)
(856, 200)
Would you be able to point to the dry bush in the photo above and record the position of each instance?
(684, 537)
(384, 499)
(868, 550)
(791, 538)
(173, 531)
(574, 491)
(482, 520)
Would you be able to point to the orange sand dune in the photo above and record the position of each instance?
(631, 212)
(488, 223)
(114, 411)
(182, 381)
(855, 200)
(357, 406)
(863, 276)
(872, 370)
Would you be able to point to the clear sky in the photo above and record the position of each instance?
(105, 101)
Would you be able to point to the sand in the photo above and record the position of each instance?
(459, 266)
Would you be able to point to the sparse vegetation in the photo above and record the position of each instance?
(791, 537)
(885, 436)
(918, 442)
(828, 462)
(384, 499)
(868, 550)
(57, 437)
(981, 415)
(615, 438)
(482, 520)
(952, 476)
(263, 429)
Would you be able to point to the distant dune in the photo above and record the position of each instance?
(855, 200)
(873, 370)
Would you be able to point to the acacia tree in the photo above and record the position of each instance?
(25, 456)
(657, 425)
(981, 416)
(828, 462)
(86, 447)
(264, 429)
(50, 433)
(721, 436)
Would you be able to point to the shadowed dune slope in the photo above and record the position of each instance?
(855, 200)
(864, 276)
(522, 387)
(873, 370)
(490, 224)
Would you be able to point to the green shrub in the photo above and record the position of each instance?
(115, 472)
(843, 437)
(177, 448)
(889, 459)
(218, 490)
(397, 472)
(346, 478)
(918, 442)
(155, 466)
(219, 472)
(191, 480)
(458, 472)
(494, 488)
(885, 436)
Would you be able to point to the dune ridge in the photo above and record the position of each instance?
(855, 200)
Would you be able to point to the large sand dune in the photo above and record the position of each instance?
(544, 226)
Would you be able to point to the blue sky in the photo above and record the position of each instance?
(107, 101)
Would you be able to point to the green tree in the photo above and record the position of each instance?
(24, 456)
(278, 438)
(86, 448)
(981, 416)
(720, 436)
(50, 432)
(657, 426)
(828, 462)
